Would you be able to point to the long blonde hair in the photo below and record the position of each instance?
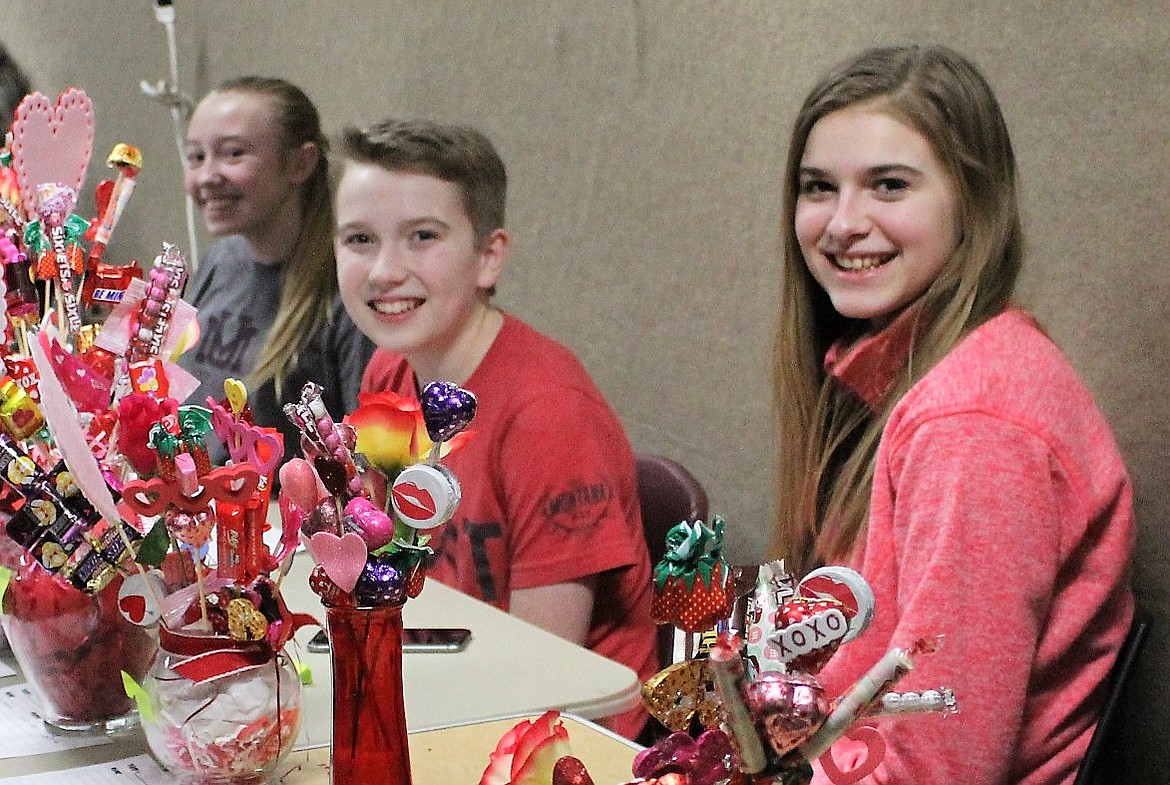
(828, 439)
(310, 283)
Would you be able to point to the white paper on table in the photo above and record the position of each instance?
(139, 770)
(22, 732)
(6, 670)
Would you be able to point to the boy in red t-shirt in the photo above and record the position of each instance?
(548, 527)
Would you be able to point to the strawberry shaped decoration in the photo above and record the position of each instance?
(693, 586)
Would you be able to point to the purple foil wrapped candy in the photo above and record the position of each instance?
(447, 409)
(789, 706)
(380, 583)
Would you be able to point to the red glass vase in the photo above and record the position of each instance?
(369, 718)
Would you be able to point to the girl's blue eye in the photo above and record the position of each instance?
(423, 235)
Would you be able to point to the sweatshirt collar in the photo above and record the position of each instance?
(869, 366)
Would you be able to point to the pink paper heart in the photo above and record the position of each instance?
(343, 558)
(875, 751)
(51, 144)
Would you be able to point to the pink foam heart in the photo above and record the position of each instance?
(51, 144)
(343, 558)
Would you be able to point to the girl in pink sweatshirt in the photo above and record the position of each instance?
(933, 437)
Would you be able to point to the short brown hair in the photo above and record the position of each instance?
(458, 154)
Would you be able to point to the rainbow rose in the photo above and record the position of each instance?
(392, 434)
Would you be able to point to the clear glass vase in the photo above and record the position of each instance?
(72, 648)
(369, 743)
(229, 729)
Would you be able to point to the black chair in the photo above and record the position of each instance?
(669, 494)
(1101, 759)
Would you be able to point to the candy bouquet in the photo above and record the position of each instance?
(743, 708)
(65, 540)
(116, 521)
(360, 498)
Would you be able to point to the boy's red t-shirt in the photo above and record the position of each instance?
(549, 494)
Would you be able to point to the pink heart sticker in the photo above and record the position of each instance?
(343, 558)
(51, 144)
(875, 752)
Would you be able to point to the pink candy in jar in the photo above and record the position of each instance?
(229, 728)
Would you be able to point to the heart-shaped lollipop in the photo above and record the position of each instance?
(51, 144)
(447, 409)
(808, 632)
(847, 587)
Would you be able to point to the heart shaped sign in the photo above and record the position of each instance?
(133, 608)
(343, 558)
(51, 144)
(447, 409)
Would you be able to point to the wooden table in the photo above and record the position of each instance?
(458, 755)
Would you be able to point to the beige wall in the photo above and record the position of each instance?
(644, 141)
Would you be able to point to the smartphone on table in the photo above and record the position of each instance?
(414, 639)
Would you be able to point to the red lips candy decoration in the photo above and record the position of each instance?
(425, 496)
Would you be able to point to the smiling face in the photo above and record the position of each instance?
(240, 171)
(410, 272)
(877, 215)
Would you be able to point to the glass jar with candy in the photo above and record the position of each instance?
(72, 647)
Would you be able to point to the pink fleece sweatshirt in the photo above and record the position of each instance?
(1001, 518)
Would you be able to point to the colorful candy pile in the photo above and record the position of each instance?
(107, 480)
(759, 699)
(366, 542)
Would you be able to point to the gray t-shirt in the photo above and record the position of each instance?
(237, 298)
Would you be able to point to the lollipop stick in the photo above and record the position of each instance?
(730, 680)
(202, 588)
(881, 677)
